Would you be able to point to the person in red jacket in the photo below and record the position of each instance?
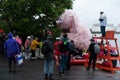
(56, 51)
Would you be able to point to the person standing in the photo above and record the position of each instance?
(27, 47)
(12, 49)
(92, 55)
(33, 46)
(64, 50)
(49, 58)
(103, 23)
(57, 52)
(2, 45)
(19, 41)
(72, 51)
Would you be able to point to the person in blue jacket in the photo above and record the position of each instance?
(12, 49)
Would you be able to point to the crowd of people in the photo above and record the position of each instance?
(58, 56)
(60, 52)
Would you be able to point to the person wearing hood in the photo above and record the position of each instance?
(49, 58)
(12, 49)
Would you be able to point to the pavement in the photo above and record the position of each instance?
(33, 70)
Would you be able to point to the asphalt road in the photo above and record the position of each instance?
(33, 70)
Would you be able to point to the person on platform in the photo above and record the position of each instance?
(103, 23)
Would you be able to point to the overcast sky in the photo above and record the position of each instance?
(88, 11)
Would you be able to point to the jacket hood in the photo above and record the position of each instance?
(10, 35)
(49, 37)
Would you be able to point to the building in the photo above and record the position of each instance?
(96, 28)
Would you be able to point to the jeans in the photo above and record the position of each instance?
(102, 30)
(48, 66)
(63, 62)
(68, 62)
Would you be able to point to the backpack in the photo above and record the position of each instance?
(96, 48)
(45, 48)
(63, 46)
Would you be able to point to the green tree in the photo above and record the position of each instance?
(29, 16)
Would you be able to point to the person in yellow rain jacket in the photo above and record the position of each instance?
(33, 46)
